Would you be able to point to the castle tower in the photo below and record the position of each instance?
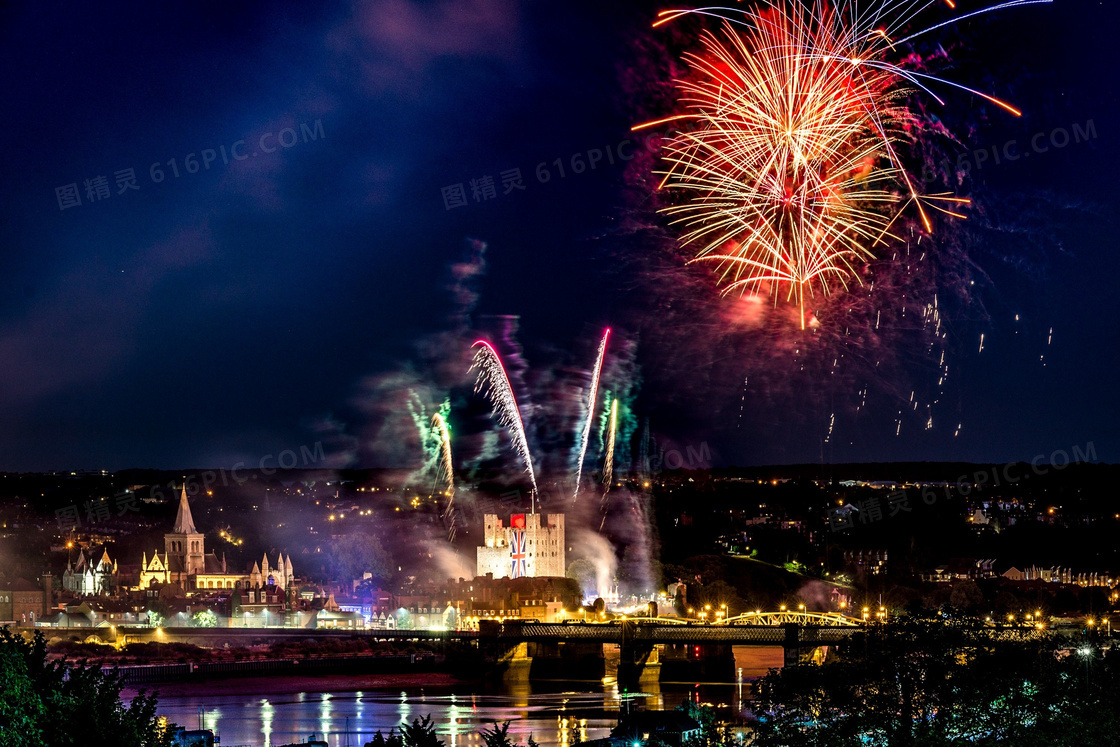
(185, 545)
(525, 548)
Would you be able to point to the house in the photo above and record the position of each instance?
(667, 727)
(22, 602)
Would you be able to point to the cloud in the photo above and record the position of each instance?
(394, 41)
(85, 327)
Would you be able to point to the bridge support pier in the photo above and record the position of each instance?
(514, 664)
(790, 646)
(638, 666)
(567, 660)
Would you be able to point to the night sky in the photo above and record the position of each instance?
(263, 304)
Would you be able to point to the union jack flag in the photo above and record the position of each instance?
(517, 554)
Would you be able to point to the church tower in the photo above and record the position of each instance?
(185, 544)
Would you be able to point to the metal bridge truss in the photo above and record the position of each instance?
(824, 619)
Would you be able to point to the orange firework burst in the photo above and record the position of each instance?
(786, 167)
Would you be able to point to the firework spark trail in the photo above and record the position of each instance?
(608, 465)
(590, 416)
(788, 168)
(441, 431)
(494, 384)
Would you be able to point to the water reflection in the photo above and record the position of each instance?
(560, 719)
(266, 722)
(276, 711)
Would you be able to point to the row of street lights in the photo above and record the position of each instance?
(719, 614)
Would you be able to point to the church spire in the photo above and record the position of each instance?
(184, 523)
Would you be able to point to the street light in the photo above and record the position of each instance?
(1086, 652)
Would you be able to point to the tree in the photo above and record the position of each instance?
(421, 733)
(498, 736)
(584, 573)
(927, 682)
(966, 595)
(158, 610)
(204, 619)
(357, 554)
(393, 740)
(57, 703)
(703, 715)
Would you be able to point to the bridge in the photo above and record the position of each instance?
(811, 632)
(528, 649)
(582, 649)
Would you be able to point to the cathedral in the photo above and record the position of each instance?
(90, 578)
(185, 562)
(524, 548)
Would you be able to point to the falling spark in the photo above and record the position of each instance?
(493, 383)
(439, 427)
(608, 465)
(592, 393)
(981, 343)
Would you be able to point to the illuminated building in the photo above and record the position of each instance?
(185, 562)
(524, 549)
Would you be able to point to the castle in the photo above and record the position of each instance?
(524, 549)
(185, 562)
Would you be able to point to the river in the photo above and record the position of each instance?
(347, 710)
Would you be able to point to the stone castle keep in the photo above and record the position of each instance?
(525, 548)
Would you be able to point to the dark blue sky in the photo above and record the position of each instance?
(244, 309)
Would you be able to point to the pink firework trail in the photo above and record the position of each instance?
(592, 394)
(493, 383)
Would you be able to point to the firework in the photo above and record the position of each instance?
(608, 464)
(446, 468)
(788, 172)
(592, 393)
(494, 384)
